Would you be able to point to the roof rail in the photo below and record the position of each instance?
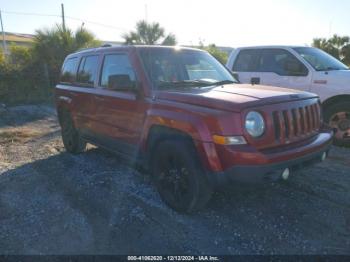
(85, 49)
(93, 48)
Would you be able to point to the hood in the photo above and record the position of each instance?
(233, 97)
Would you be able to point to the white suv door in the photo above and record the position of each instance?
(278, 67)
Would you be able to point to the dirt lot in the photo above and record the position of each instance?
(52, 202)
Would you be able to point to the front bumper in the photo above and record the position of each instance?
(272, 169)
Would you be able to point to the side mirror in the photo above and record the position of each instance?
(121, 82)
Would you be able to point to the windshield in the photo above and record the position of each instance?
(320, 60)
(178, 68)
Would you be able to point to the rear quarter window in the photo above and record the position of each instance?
(68, 72)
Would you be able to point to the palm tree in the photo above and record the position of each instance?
(326, 45)
(149, 34)
(52, 45)
(339, 41)
(337, 46)
(345, 52)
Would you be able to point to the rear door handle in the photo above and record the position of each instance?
(255, 80)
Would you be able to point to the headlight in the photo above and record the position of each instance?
(255, 124)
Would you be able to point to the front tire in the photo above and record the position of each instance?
(72, 141)
(179, 177)
(337, 116)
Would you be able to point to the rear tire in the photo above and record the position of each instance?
(179, 177)
(72, 141)
(337, 116)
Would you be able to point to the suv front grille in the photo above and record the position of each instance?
(295, 123)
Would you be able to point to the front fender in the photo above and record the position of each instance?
(190, 125)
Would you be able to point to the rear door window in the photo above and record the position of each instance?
(87, 70)
(246, 61)
(68, 72)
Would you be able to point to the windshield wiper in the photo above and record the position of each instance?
(184, 83)
(193, 83)
(329, 69)
(223, 82)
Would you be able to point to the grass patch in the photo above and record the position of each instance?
(18, 135)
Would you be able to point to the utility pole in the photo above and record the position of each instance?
(3, 35)
(63, 19)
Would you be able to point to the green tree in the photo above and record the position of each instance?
(52, 45)
(28, 73)
(337, 46)
(22, 77)
(346, 54)
(149, 34)
(325, 45)
(221, 56)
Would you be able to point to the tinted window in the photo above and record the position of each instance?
(87, 70)
(246, 61)
(281, 62)
(69, 70)
(320, 60)
(117, 72)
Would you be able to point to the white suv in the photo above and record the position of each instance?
(303, 68)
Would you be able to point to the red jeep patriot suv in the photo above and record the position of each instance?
(182, 114)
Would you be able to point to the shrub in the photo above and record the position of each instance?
(216, 52)
(28, 75)
(22, 78)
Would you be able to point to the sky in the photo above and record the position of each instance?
(223, 22)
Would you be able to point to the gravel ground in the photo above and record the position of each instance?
(52, 202)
